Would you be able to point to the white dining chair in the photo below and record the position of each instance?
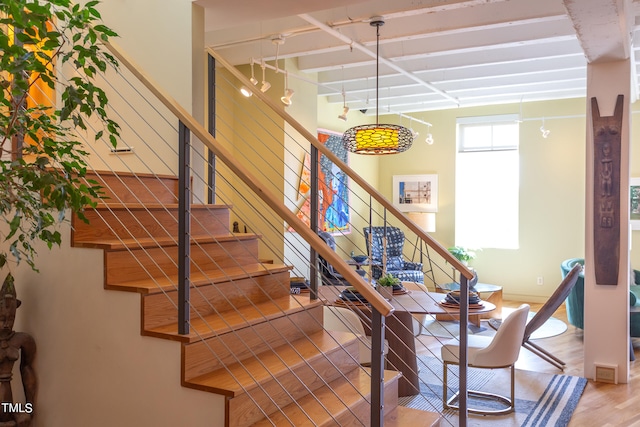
(345, 320)
(499, 351)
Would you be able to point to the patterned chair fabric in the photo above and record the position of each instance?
(396, 264)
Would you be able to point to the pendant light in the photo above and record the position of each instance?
(377, 138)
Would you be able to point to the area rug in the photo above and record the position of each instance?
(450, 329)
(541, 399)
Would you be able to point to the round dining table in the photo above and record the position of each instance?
(399, 333)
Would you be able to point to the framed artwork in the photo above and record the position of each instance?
(415, 193)
(333, 188)
(634, 203)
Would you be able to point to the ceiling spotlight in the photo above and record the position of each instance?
(246, 91)
(265, 84)
(288, 93)
(545, 132)
(345, 109)
(253, 79)
(286, 99)
(429, 139)
(414, 133)
(343, 116)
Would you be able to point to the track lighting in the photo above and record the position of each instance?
(265, 84)
(414, 133)
(545, 132)
(246, 91)
(253, 79)
(288, 93)
(343, 116)
(286, 99)
(345, 109)
(429, 139)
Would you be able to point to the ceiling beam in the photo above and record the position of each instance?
(603, 28)
(385, 61)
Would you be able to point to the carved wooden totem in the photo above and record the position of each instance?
(606, 192)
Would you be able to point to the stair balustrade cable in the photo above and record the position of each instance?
(149, 274)
(250, 218)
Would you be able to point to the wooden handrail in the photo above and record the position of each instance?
(441, 250)
(373, 297)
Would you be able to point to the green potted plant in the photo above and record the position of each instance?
(462, 254)
(386, 284)
(41, 154)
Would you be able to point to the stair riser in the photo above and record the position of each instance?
(125, 265)
(344, 402)
(286, 388)
(360, 413)
(159, 308)
(231, 347)
(141, 188)
(121, 223)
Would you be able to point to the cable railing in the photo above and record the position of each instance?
(225, 292)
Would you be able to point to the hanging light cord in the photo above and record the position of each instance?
(377, 24)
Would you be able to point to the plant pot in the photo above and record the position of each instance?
(386, 292)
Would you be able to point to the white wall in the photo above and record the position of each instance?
(93, 367)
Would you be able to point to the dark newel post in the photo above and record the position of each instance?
(313, 220)
(211, 160)
(184, 228)
(377, 368)
(607, 152)
(464, 333)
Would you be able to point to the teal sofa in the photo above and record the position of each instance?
(575, 300)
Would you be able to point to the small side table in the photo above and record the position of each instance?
(487, 292)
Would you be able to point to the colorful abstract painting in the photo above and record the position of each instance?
(333, 188)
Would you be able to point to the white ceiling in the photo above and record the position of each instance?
(434, 54)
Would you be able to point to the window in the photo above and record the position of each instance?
(487, 182)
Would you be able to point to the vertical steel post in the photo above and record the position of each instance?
(377, 368)
(184, 227)
(211, 124)
(313, 219)
(464, 334)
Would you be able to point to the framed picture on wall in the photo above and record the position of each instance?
(415, 193)
(634, 203)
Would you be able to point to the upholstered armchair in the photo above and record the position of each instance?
(575, 300)
(396, 264)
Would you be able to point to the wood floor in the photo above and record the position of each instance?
(601, 405)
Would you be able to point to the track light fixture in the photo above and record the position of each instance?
(253, 79)
(246, 91)
(288, 93)
(265, 84)
(429, 139)
(343, 116)
(545, 132)
(345, 109)
(414, 133)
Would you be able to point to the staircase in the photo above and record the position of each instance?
(250, 340)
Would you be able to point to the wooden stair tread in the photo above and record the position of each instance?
(235, 379)
(328, 402)
(219, 323)
(156, 242)
(402, 416)
(199, 278)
